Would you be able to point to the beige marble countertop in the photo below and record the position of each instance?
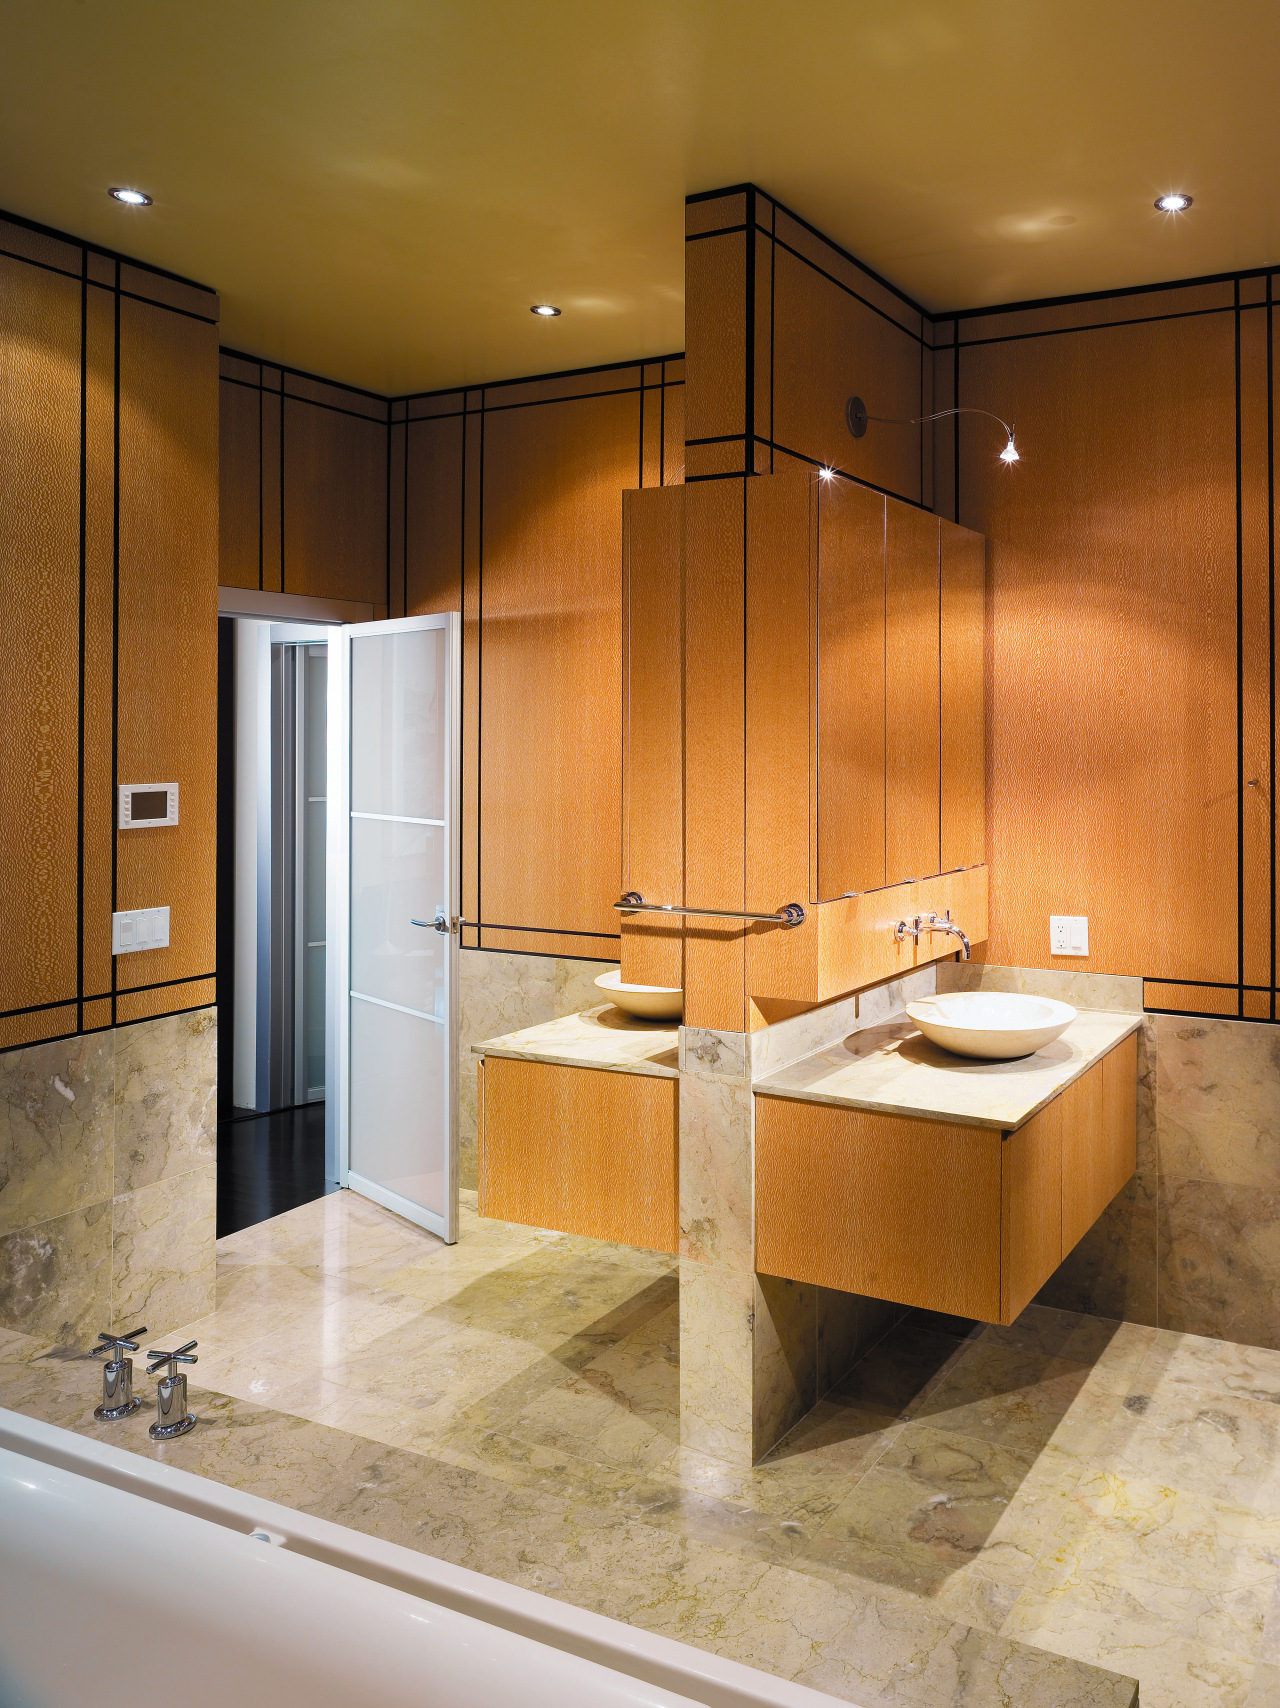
(602, 1037)
(894, 1070)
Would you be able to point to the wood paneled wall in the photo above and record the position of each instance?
(1131, 720)
(506, 504)
(108, 588)
(781, 327)
(303, 482)
(1131, 688)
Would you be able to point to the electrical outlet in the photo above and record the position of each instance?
(143, 928)
(1068, 934)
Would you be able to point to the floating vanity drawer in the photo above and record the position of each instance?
(949, 1216)
(584, 1150)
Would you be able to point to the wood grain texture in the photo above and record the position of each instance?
(828, 344)
(653, 729)
(912, 755)
(272, 486)
(168, 999)
(899, 1209)
(551, 733)
(99, 643)
(472, 533)
(715, 758)
(850, 689)
(715, 330)
(1097, 1162)
(239, 484)
(335, 503)
(962, 802)
(779, 702)
(856, 945)
(1031, 1206)
(167, 656)
(433, 515)
(35, 1026)
(581, 1150)
(39, 604)
(1112, 686)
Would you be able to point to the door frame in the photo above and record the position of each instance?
(338, 928)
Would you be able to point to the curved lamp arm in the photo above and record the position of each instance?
(855, 414)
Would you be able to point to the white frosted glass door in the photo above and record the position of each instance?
(397, 993)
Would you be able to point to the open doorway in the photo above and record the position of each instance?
(272, 948)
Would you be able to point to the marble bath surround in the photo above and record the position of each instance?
(973, 1517)
(108, 1179)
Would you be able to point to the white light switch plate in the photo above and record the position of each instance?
(1068, 934)
(144, 928)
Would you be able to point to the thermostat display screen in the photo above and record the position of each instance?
(143, 804)
(148, 803)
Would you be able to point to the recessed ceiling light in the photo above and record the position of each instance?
(132, 198)
(545, 309)
(1174, 202)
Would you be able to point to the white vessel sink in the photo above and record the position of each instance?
(991, 1024)
(645, 1001)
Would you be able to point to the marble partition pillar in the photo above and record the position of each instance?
(108, 1179)
(756, 1351)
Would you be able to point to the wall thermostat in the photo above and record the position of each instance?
(143, 804)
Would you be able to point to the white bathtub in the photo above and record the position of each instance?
(124, 1580)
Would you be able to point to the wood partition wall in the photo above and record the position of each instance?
(1131, 696)
(108, 588)
(303, 478)
(506, 504)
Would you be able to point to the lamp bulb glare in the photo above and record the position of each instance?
(827, 473)
(1010, 453)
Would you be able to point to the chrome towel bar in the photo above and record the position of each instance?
(791, 914)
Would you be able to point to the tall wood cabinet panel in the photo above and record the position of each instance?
(39, 598)
(850, 688)
(168, 605)
(962, 806)
(912, 758)
(653, 729)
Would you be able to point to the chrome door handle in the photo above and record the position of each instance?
(440, 923)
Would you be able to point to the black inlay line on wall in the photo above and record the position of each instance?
(773, 317)
(84, 473)
(171, 308)
(480, 680)
(115, 620)
(1205, 1013)
(866, 302)
(815, 463)
(662, 428)
(113, 255)
(546, 930)
(281, 518)
(639, 363)
(39, 1007)
(274, 391)
(715, 195)
(1104, 325)
(955, 432)
(720, 231)
(640, 457)
(282, 368)
(1102, 296)
(1239, 673)
(1201, 984)
(1271, 624)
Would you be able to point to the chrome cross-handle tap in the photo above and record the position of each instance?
(117, 1375)
(172, 1416)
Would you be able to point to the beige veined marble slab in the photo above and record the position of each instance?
(895, 1070)
(602, 1037)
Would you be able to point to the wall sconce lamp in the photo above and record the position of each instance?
(855, 413)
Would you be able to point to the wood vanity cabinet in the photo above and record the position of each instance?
(584, 1150)
(803, 721)
(948, 1217)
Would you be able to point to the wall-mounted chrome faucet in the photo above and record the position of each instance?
(117, 1375)
(929, 922)
(172, 1416)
